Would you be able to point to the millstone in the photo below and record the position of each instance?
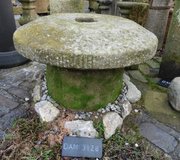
(86, 54)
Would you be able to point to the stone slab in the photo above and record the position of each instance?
(176, 154)
(137, 75)
(7, 120)
(6, 105)
(158, 137)
(19, 92)
(153, 64)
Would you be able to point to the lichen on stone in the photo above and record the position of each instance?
(107, 42)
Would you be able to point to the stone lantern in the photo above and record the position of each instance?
(29, 12)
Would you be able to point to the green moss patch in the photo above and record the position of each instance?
(159, 108)
(83, 89)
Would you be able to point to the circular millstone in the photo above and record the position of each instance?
(83, 90)
(85, 41)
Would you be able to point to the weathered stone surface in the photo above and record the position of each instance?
(174, 93)
(73, 41)
(21, 93)
(6, 102)
(111, 122)
(127, 108)
(36, 93)
(81, 128)
(6, 105)
(7, 120)
(144, 69)
(170, 66)
(176, 154)
(153, 64)
(46, 111)
(126, 77)
(157, 19)
(67, 6)
(133, 94)
(15, 85)
(137, 75)
(158, 137)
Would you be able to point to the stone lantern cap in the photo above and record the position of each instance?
(85, 41)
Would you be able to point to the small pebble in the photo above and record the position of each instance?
(126, 144)
(26, 99)
(136, 110)
(136, 145)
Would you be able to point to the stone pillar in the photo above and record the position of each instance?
(136, 11)
(94, 6)
(8, 56)
(158, 18)
(69, 6)
(29, 12)
(106, 6)
(170, 66)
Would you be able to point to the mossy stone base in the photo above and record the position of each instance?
(85, 90)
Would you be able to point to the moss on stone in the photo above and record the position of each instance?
(156, 103)
(139, 13)
(83, 89)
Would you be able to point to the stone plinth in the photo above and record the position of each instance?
(158, 18)
(88, 51)
(28, 11)
(68, 6)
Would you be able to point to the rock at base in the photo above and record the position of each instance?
(46, 111)
(36, 93)
(174, 93)
(81, 128)
(111, 122)
(133, 95)
(127, 108)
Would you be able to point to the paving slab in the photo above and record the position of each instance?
(16, 84)
(137, 75)
(7, 120)
(176, 154)
(7, 102)
(19, 92)
(158, 137)
(153, 64)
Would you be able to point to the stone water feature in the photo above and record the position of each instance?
(85, 55)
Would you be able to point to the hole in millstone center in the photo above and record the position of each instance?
(81, 19)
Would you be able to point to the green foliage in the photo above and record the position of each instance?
(43, 154)
(100, 128)
(27, 127)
